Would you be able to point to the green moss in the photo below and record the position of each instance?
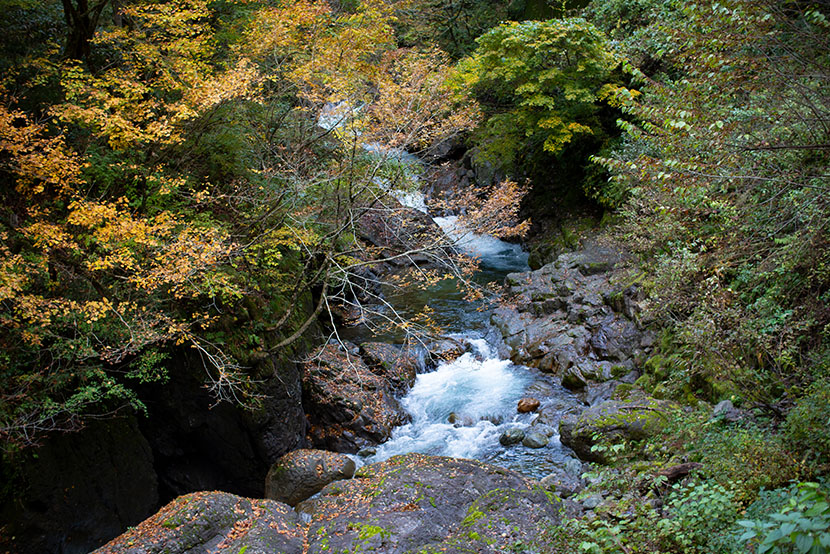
(473, 515)
(366, 532)
(171, 523)
(622, 391)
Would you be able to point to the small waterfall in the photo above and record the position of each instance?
(490, 251)
(461, 408)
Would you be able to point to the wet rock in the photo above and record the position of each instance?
(512, 436)
(495, 419)
(397, 365)
(347, 402)
(418, 503)
(535, 439)
(511, 324)
(556, 409)
(613, 420)
(460, 420)
(546, 430)
(541, 388)
(446, 350)
(366, 452)
(527, 404)
(396, 229)
(212, 522)
(303, 473)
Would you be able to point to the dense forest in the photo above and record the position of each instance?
(220, 184)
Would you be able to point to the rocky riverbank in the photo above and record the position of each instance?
(569, 319)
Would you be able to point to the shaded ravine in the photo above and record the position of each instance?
(462, 407)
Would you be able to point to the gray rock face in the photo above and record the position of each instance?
(446, 350)
(564, 318)
(418, 503)
(347, 403)
(207, 522)
(395, 229)
(565, 481)
(616, 338)
(613, 420)
(303, 473)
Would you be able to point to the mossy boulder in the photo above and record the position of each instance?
(418, 503)
(303, 473)
(612, 421)
(214, 522)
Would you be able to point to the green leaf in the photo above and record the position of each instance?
(803, 543)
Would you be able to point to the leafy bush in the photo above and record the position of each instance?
(808, 424)
(802, 525)
(746, 456)
(695, 518)
(543, 84)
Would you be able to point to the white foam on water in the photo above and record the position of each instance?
(490, 251)
(478, 390)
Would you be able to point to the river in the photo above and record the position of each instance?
(462, 407)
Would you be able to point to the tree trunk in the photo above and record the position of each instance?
(81, 21)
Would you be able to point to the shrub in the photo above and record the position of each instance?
(802, 525)
(807, 427)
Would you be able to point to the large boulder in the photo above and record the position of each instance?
(419, 503)
(209, 522)
(300, 474)
(611, 421)
(348, 405)
(399, 366)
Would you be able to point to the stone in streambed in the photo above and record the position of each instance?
(546, 430)
(535, 439)
(527, 405)
(303, 473)
(512, 436)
